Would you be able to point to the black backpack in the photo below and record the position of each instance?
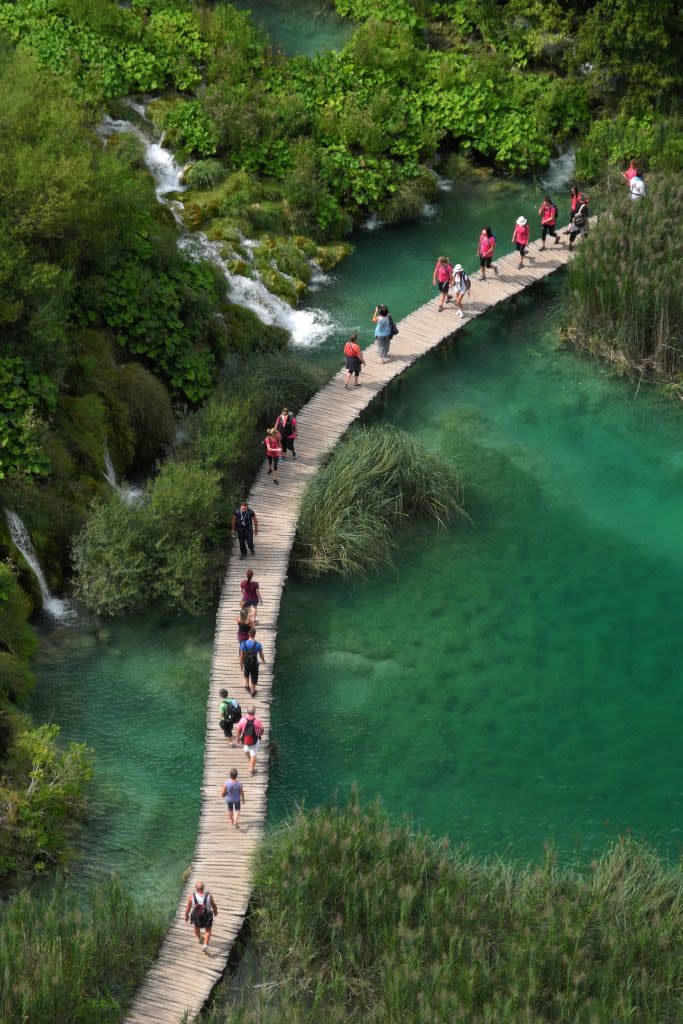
(249, 734)
(250, 659)
(203, 910)
(394, 328)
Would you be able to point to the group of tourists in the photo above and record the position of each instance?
(279, 440)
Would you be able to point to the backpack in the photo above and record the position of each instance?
(580, 216)
(394, 329)
(230, 710)
(249, 735)
(250, 659)
(202, 911)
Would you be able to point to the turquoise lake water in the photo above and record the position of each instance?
(517, 678)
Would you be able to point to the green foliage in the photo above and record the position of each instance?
(376, 477)
(623, 299)
(17, 640)
(23, 397)
(73, 961)
(357, 919)
(655, 142)
(42, 788)
(404, 11)
(140, 420)
(189, 127)
(204, 174)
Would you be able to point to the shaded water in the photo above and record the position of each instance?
(135, 692)
(517, 679)
(311, 27)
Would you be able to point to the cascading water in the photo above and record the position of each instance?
(54, 606)
(308, 327)
(131, 495)
(560, 171)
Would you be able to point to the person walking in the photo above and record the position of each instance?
(234, 797)
(579, 224)
(230, 712)
(636, 188)
(250, 652)
(461, 285)
(354, 359)
(250, 730)
(520, 236)
(200, 910)
(443, 278)
(631, 172)
(245, 528)
(487, 246)
(573, 203)
(251, 595)
(273, 452)
(244, 622)
(382, 322)
(288, 430)
(548, 215)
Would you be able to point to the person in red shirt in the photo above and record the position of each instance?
(487, 245)
(354, 359)
(250, 731)
(273, 445)
(548, 215)
(443, 277)
(520, 236)
(631, 172)
(251, 595)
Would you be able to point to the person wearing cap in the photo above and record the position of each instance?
(461, 286)
(520, 236)
(443, 277)
(201, 909)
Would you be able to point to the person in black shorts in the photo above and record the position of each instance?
(250, 652)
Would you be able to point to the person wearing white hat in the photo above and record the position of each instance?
(520, 236)
(461, 285)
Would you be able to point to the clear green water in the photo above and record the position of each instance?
(518, 678)
(308, 27)
(136, 693)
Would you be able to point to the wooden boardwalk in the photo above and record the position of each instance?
(182, 977)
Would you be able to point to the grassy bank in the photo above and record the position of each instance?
(63, 960)
(358, 919)
(375, 477)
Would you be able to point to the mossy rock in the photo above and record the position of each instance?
(199, 207)
(247, 331)
(328, 256)
(267, 215)
(280, 286)
(192, 215)
(223, 229)
(240, 267)
(291, 260)
(139, 403)
(203, 174)
(308, 247)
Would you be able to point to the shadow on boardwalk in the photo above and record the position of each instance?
(182, 977)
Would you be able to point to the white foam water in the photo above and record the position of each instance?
(373, 223)
(560, 172)
(57, 607)
(131, 495)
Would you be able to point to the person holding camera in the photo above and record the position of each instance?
(383, 331)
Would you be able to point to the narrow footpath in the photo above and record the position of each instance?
(182, 977)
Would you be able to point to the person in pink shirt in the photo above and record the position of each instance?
(520, 236)
(548, 215)
(487, 245)
(273, 443)
(631, 173)
(250, 731)
(443, 277)
(251, 595)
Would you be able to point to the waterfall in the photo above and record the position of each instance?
(54, 606)
(308, 327)
(560, 172)
(131, 495)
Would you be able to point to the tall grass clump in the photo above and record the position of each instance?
(375, 478)
(356, 919)
(64, 961)
(623, 301)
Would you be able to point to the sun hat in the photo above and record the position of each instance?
(521, 221)
(457, 269)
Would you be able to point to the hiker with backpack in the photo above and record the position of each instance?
(579, 224)
(353, 358)
(273, 443)
(230, 713)
(461, 286)
(384, 331)
(200, 910)
(250, 652)
(548, 215)
(487, 246)
(286, 427)
(520, 236)
(250, 731)
(443, 277)
(234, 797)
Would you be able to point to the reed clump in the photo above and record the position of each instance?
(376, 478)
(357, 919)
(623, 301)
(66, 960)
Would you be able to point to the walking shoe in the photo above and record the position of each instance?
(275, 481)
(557, 241)
(495, 271)
(206, 949)
(243, 554)
(440, 309)
(460, 313)
(253, 551)
(270, 470)
(293, 455)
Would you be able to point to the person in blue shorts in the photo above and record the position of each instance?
(234, 797)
